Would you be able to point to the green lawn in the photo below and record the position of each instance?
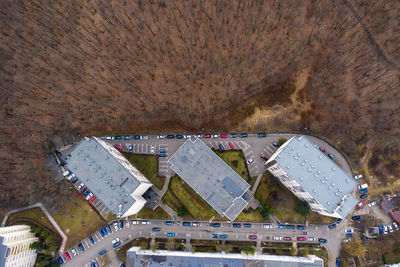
(147, 213)
(249, 215)
(235, 159)
(148, 166)
(32, 215)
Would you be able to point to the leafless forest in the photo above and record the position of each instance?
(87, 67)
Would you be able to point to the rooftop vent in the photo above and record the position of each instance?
(302, 164)
(305, 160)
(316, 176)
(332, 184)
(308, 169)
(301, 179)
(287, 167)
(296, 158)
(298, 154)
(319, 172)
(326, 178)
(336, 193)
(315, 191)
(347, 181)
(323, 181)
(312, 166)
(328, 203)
(307, 145)
(320, 156)
(330, 187)
(340, 190)
(333, 169)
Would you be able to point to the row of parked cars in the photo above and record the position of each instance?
(385, 229)
(181, 136)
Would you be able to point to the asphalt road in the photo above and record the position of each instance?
(135, 229)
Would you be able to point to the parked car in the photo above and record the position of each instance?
(263, 157)
(233, 135)
(215, 224)
(373, 203)
(236, 225)
(115, 240)
(144, 137)
(163, 155)
(63, 163)
(243, 135)
(267, 226)
(207, 136)
(252, 236)
(115, 226)
(221, 147)
(354, 218)
(136, 137)
(195, 224)
(224, 135)
(156, 229)
(380, 229)
(301, 227)
(305, 233)
(349, 235)
(102, 252)
(187, 136)
(118, 137)
(360, 203)
(362, 191)
(145, 222)
(74, 252)
(161, 137)
(358, 176)
(119, 147)
(364, 196)
(81, 247)
(101, 233)
(186, 223)
(385, 229)
(121, 224)
(60, 260)
(109, 229)
(349, 231)
(275, 144)
(80, 186)
(214, 236)
(179, 136)
(250, 160)
(362, 186)
(74, 180)
(331, 156)
(104, 231)
(231, 145)
(67, 256)
(91, 239)
(282, 226)
(87, 192)
(170, 136)
(170, 234)
(247, 225)
(277, 238)
(301, 238)
(390, 228)
(89, 196)
(338, 221)
(92, 199)
(287, 238)
(261, 135)
(214, 136)
(332, 226)
(127, 137)
(289, 226)
(110, 137)
(169, 223)
(223, 236)
(322, 149)
(311, 239)
(131, 148)
(338, 261)
(163, 150)
(83, 189)
(396, 226)
(322, 240)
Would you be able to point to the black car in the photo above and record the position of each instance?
(236, 225)
(121, 224)
(322, 240)
(301, 227)
(354, 218)
(118, 137)
(170, 136)
(275, 144)
(261, 134)
(63, 163)
(221, 147)
(127, 137)
(136, 137)
(156, 229)
(87, 192)
(58, 154)
(81, 247)
(163, 155)
(331, 156)
(74, 180)
(178, 136)
(163, 150)
(289, 226)
(109, 229)
(247, 225)
(243, 135)
(215, 224)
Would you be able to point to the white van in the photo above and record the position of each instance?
(362, 186)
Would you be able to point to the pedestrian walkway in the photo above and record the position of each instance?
(255, 186)
(52, 221)
(170, 211)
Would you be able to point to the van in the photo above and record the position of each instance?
(362, 186)
(66, 173)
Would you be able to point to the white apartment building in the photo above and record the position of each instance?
(313, 177)
(15, 248)
(109, 176)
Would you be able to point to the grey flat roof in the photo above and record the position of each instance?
(210, 177)
(3, 252)
(103, 174)
(320, 176)
(148, 258)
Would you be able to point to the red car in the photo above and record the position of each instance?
(360, 203)
(207, 135)
(231, 145)
(67, 256)
(83, 190)
(301, 238)
(263, 156)
(322, 149)
(224, 135)
(288, 238)
(252, 236)
(92, 199)
(305, 233)
(119, 147)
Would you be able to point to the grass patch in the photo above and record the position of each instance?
(77, 219)
(148, 166)
(391, 259)
(35, 216)
(147, 213)
(235, 159)
(142, 242)
(250, 215)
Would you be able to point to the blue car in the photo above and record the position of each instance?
(127, 137)
(339, 221)
(247, 225)
(131, 148)
(163, 155)
(221, 147)
(156, 229)
(170, 136)
(121, 224)
(349, 235)
(338, 261)
(104, 231)
(281, 226)
(364, 196)
(216, 225)
(101, 233)
(233, 135)
(169, 223)
(289, 226)
(362, 191)
(322, 240)
(236, 225)
(243, 135)
(170, 234)
(262, 135)
(116, 244)
(81, 247)
(332, 226)
(223, 236)
(354, 218)
(87, 192)
(186, 224)
(301, 227)
(179, 136)
(214, 236)
(380, 229)
(163, 150)
(331, 156)
(74, 180)
(102, 252)
(91, 239)
(60, 260)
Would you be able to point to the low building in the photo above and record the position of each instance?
(214, 180)
(313, 177)
(147, 258)
(15, 248)
(109, 176)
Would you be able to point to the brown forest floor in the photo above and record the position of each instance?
(84, 67)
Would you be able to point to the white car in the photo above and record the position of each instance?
(196, 224)
(145, 222)
(144, 137)
(152, 150)
(187, 136)
(89, 196)
(267, 226)
(161, 137)
(362, 186)
(358, 176)
(249, 161)
(73, 250)
(115, 240)
(348, 231)
(277, 238)
(116, 226)
(214, 136)
(110, 137)
(373, 203)
(80, 186)
(69, 177)
(311, 239)
(346, 240)
(390, 228)
(395, 226)
(385, 229)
